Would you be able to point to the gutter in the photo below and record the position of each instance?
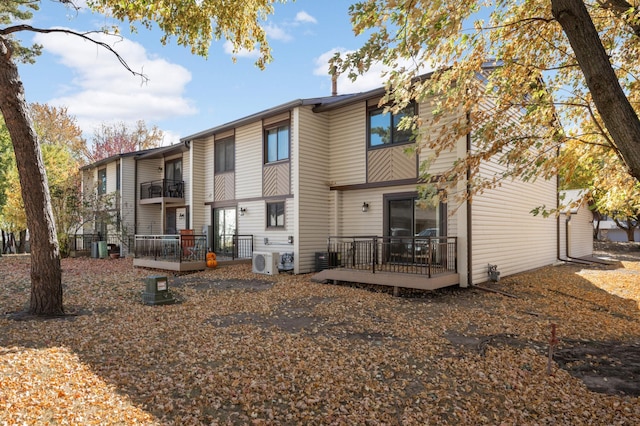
(469, 212)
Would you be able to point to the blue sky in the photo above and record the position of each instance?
(187, 93)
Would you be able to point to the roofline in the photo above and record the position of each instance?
(321, 104)
(265, 114)
(245, 120)
(145, 153)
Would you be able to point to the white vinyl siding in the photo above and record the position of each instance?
(579, 225)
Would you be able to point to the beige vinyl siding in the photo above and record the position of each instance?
(310, 187)
(207, 176)
(348, 145)
(208, 195)
(506, 233)
(254, 223)
(580, 228)
(128, 197)
(446, 159)
(195, 167)
(254, 220)
(89, 178)
(249, 161)
(149, 220)
(111, 177)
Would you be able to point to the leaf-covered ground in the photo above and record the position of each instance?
(240, 348)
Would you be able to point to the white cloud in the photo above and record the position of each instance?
(100, 90)
(304, 17)
(242, 53)
(372, 79)
(275, 32)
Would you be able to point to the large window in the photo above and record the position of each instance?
(225, 157)
(276, 143)
(117, 175)
(173, 170)
(102, 181)
(383, 126)
(275, 215)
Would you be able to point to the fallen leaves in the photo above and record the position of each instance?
(241, 348)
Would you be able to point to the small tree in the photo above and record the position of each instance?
(109, 140)
(193, 23)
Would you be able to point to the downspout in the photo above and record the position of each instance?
(135, 200)
(557, 218)
(567, 226)
(469, 252)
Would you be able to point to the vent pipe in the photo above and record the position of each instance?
(334, 81)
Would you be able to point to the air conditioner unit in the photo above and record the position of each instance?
(265, 263)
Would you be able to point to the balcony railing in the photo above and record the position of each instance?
(427, 256)
(188, 248)
(171, 248)
(235, 246)
(164, 188)
(82, 242)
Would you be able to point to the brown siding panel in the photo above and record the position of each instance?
(225, 187)
(390, 164)
(275, 180)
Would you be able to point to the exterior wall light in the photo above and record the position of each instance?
(242, 211)
(365, 207)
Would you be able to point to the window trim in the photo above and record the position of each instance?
(171, 163)
(375, 108)
(224, 141)
(284, 214)
(265, 142)
(102, 184)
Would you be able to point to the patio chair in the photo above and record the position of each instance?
(196, 251)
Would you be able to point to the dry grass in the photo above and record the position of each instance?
(242, 348)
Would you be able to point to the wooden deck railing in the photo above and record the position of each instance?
(413, 255)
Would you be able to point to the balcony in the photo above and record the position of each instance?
(425, 263)
(185, 252)
(162, 191)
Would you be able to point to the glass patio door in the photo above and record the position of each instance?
(224, 224)
(408, 220)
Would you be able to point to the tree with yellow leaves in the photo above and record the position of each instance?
(62, 146)
(192, 23)
(569, 67)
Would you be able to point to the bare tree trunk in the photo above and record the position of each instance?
(46, 275)
(617, 113)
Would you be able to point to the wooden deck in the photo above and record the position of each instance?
(168, 265)
(392, 279)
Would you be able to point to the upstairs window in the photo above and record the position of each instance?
(117, 175)
(276, 143)
(383, 126)
(225, 156)
(102, 181)
(173, 170)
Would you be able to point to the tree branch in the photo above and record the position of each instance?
(85, 36)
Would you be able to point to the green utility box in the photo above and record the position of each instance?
(102, 249)
(156, 291)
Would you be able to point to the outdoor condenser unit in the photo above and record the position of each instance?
(265, 263)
